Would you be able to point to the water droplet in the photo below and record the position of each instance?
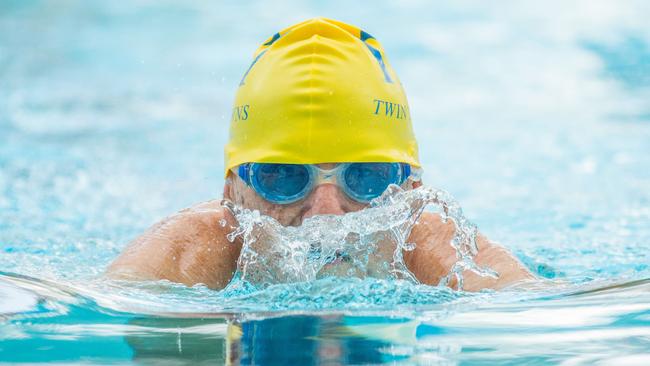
(351, 245)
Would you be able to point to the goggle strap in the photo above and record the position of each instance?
(406, 172)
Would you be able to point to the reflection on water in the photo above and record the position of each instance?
(607, 324)
(161, 340)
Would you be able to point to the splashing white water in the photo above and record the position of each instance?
(367, 243)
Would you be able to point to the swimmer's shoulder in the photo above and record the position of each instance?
(434, 256)
(211, 217)
(206, 220)
(189, 247)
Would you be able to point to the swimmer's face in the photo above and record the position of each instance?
(324, 199)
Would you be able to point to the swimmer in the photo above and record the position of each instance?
(320, 126)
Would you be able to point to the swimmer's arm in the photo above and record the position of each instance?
(189, 247)
(433, 257)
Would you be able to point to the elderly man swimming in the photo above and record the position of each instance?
(320, 125)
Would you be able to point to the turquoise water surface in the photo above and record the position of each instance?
(534, 116)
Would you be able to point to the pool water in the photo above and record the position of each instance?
(534, 116)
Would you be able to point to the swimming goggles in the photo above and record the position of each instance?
(288, 183)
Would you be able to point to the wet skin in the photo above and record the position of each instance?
(190, 247)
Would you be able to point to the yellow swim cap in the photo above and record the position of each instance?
(317, 92)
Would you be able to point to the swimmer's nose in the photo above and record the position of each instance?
(325, 199)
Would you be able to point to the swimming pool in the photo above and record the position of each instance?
(535, 117)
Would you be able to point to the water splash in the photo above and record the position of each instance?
(367, 243)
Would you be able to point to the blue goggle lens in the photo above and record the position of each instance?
(365, 181)
(280, 182)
